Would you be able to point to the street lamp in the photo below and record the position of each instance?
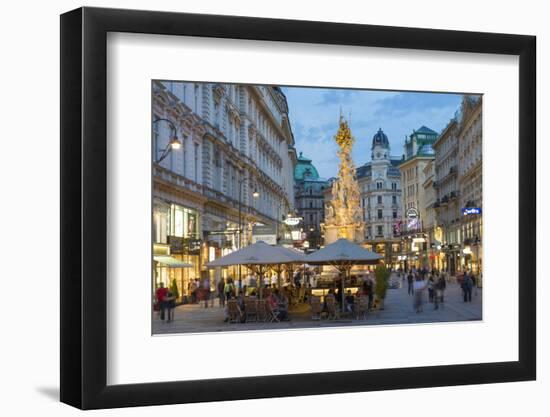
(174, 142)
(255, 194)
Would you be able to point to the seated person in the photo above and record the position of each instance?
(282, 305)
(350, 302)
(331, 296)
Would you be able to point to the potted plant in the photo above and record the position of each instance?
(174, 289)
(382, 276)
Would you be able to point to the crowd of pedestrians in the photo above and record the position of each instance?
(421, 280)
(434, 283)
(423, 285)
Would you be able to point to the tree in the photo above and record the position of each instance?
(174, 288)
(382, 276)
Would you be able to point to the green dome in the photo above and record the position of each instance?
(305, 170)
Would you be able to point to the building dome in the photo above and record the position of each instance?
(380, 139)
(305, 170)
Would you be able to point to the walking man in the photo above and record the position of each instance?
(410, 290)
(206, 290)
(161, 294)
(221, 292)
(467, 286)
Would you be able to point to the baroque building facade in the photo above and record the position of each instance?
(429, 224)
(459, 190)
(418, 153)
(234, 169)
(309, 200)
(470, 158)
(447, 205)
(380, 185)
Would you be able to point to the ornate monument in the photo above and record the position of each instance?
(344, 217)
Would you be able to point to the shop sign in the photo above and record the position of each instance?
(264, 233)
(176, 244)
(269, 239)
(263, 230)
(412, 213)
(471, 210)
(292, 221)
(412, 219)
(179, 245)
(193, 246)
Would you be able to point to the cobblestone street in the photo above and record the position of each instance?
(398, 310)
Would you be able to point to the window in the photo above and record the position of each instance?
(197, 98)
(380, 214)
(394, 186)
(379, 199)
(216, 114)
(394, 199)
(196, 156)
(378, 185)
(379, 231)
(311, 204)
(230, 130)
(156, 136)
(311, 218)
(395, 214)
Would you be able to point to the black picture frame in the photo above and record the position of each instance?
(84, 207)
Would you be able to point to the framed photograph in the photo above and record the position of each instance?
(262, 208)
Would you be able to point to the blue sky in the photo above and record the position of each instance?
(314, 114)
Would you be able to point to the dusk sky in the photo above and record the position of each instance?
(314, 114)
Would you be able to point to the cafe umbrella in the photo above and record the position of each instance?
(299, 258)
(258, 257)
(343, 255)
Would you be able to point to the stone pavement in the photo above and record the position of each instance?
(398, 310)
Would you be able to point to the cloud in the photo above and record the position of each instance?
(397, 113)
(336, 97)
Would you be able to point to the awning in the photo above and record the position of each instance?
(170, 262)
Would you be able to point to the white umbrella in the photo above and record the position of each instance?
(342, 255)
(258, 257)
(343, 252)
(292, 253)
(259, 253)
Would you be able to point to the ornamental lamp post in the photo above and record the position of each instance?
(174, 142)
(255, 194)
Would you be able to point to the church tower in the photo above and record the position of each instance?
(380, 148)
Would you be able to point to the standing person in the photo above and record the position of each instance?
(229, 289)
(193, 291)
(410, 280)
(467, 285)
(369, 291)
(221, 292)
(419, 286)
(431, 289)
(160, 295)
(170, 301)
(338, 293)
(252, 282)
(442, 285)
(206, 291)
(350, 302)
